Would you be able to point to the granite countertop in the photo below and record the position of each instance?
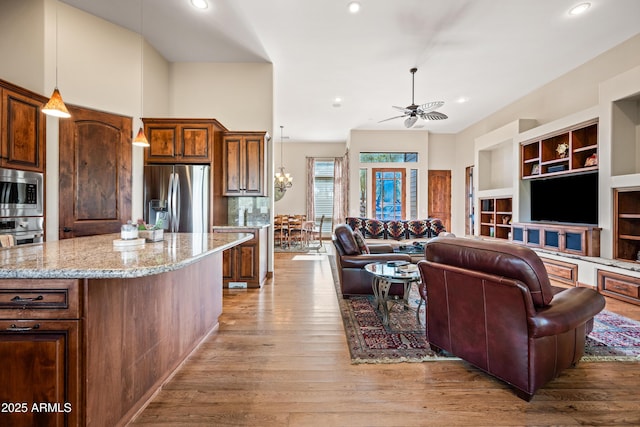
(96, 257)
(248, 225)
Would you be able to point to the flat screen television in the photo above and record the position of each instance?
(567, 199)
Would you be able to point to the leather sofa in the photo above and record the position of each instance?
(351, 257)
(491, 304)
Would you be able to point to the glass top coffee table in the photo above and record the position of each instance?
(386, 274)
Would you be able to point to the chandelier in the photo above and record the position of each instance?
(282, 180)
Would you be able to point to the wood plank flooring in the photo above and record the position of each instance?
(280, 358)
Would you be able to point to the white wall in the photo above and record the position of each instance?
(575, 91)
(294, 156)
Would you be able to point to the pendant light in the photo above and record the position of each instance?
(282, 180)
(141, 140)
(55, 106)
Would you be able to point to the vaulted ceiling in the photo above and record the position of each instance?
(487, 52)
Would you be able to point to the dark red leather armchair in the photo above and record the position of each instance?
(354, 279)
(491, 304)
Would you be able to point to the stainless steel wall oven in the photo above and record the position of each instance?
(22, 205)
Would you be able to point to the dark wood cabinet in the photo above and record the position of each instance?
(40, 335)
(244, 168)
(619, 286)
(495, 217)
(568, 151)
(23, 127)
(626, 227)
(245, 265)
(567, 238)
(180, 140)
(560, 272)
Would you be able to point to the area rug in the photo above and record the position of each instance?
(614, 337)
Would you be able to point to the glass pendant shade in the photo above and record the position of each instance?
(141, 140)
(55, 107)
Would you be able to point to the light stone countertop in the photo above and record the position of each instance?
(96, 257)
(249, 225)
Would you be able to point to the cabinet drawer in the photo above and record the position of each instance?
(561, 271)
(619, 286)
(30, 299)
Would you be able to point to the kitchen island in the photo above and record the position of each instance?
(90, 331)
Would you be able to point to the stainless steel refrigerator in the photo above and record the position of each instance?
(179, 196)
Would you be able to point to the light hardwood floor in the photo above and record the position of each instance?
(280, 359)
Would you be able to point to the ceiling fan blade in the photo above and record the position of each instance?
(391, 118)
(410, 121)
(404, 109)
(430, 106)
(434, 115)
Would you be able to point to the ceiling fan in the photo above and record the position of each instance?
(413, 111)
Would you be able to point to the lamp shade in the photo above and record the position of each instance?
(140, 140)
(55, 107)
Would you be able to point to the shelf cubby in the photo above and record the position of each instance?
(495, 217)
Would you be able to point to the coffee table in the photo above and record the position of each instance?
(386, 274)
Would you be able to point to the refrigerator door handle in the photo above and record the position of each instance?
(170, 203)
(176, 202)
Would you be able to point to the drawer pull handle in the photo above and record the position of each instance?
(18, 300)
(14, 328)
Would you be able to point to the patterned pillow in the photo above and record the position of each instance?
(362, 245)
(374, 229)
(418, 228)
(396, 229)
(436, 227)
(354, 223)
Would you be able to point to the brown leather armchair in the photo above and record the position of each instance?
(491, 304)
(354, 279)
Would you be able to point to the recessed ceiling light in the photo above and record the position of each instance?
(579, 9)
(337, 102)
(462, 99)
(200, 4)
(354, 7)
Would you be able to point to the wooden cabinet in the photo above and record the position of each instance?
(573, 239)
(180, 140)
(23, 127)
(244, 167)
(560, 272)
(626, 228)
(568, 151)
(619, 286)
(245, 265)
(495, 217)
(40, 335)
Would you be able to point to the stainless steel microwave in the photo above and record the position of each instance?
(21, 193)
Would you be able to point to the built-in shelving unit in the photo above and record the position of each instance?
(569, 151)
(495, 217)
(626, 224)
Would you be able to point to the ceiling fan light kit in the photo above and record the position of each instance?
(413, 112)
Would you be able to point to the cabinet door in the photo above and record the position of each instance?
(228, 261)
(231, 179)
(195, 143)
(162, 143)
(23, 132)
(246, 262)
(253, 167)
(41, 368)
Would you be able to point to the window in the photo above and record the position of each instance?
(388, 157)
(363, 192)
(323, 192)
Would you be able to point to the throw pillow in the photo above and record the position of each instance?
(374, 229)
(362, 245)
(396, 229)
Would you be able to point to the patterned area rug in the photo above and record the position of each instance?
(614, 337)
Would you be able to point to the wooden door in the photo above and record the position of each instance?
(440, 196)
(389, 193)
(95, 173)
